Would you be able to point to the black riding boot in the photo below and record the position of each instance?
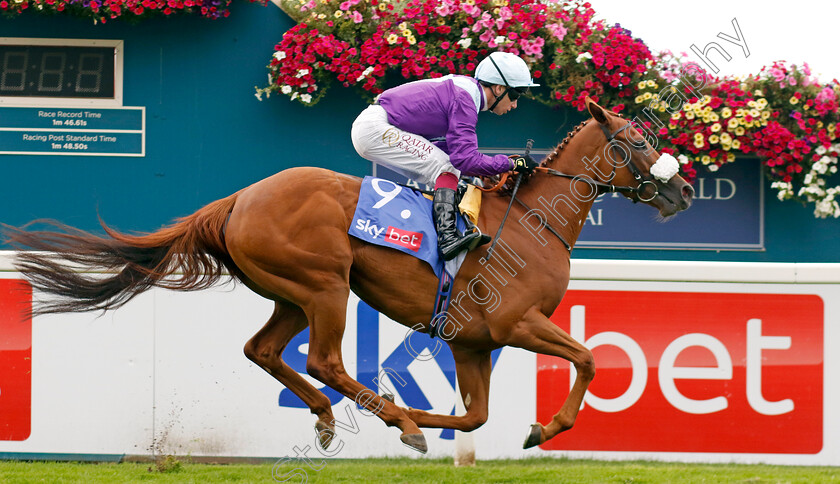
(450, 241)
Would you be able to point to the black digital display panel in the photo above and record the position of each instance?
(57, 71)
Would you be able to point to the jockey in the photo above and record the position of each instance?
(396, 131)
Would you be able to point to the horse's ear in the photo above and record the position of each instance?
(596, 111)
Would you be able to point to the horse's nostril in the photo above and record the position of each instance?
(687, 192)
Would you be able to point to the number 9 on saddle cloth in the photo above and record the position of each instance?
(396, 216)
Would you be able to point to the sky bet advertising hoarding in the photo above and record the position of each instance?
(686, 371)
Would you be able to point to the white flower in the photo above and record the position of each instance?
(820, 166)
(785, 189)
(682, 159)
(465, 43)
(279, 55)
(582, 56)
(365, 73)
(294, 96)
(827, 208)
(302, 73)
(259, 95)
(286, 89)
(713, 167)
(501, 39)
(306, 98)
(820, 150)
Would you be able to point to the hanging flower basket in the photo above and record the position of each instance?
(104, 10)
(782, 114)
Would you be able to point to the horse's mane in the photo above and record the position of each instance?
(557, 149)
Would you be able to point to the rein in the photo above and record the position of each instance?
(600, 186)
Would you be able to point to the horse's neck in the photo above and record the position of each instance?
(565, 210)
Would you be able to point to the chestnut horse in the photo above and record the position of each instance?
(286, 238)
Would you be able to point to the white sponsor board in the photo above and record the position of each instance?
(167, 374)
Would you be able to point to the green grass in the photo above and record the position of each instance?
(393, 471)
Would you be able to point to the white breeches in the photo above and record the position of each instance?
(414, 156)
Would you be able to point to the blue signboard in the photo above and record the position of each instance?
(727, 213)
(72, 131)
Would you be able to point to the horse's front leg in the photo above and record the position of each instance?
(538, 334)
(473, 370)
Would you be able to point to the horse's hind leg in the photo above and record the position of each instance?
(266, 349)
(326, 313)
(323, 298)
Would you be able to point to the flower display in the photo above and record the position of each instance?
(104, 10)
(783, 115)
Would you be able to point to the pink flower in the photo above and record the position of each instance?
(471, 10)
(356, 16)
(558, 31)
(533, 47)
(669, 76)
(826, 94)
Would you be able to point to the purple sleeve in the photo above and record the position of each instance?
(441, 143)
(462, 141)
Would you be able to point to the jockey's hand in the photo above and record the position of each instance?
(523, 164)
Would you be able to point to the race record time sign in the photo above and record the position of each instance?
(73, 131)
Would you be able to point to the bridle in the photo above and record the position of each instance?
(601, 187)
(637, 191)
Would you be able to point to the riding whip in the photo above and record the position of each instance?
(528, 146)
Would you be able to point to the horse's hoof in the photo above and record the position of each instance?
(388, 396)
(534, 437)
(415, 441)
(325, 434)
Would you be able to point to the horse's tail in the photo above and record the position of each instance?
(89, 272)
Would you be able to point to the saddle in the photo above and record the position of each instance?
(397, 216)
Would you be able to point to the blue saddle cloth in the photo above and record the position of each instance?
(395, 216)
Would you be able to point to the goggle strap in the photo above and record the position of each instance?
(499, 70)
